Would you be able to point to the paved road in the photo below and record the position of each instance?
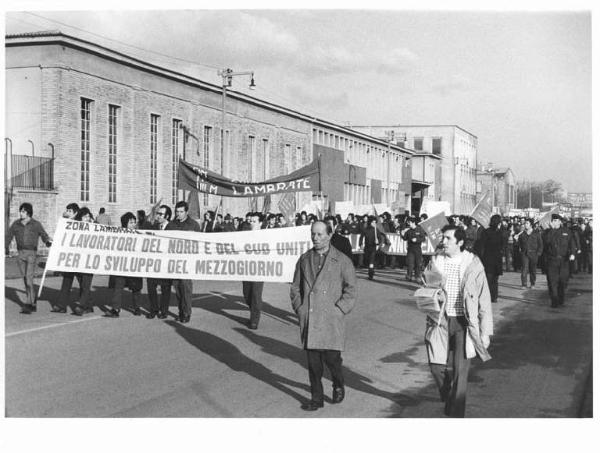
(60, 365)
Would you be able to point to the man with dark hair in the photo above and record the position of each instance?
(414, 237)
(251, 290)
(531, 248)
(371, 238)
(60, 306)
(491, 246)
(183, 288)
(465, 320)
(163, 216)
(323, 292)
(27, 232)
(559, 249)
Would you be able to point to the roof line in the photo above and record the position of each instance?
(80, 43)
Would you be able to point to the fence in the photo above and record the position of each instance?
(32, 172)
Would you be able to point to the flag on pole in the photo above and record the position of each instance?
(219, 206)
(194, 205)
(433, 227)
(153, 211)
(287, 205)
(547, 217)
(266, 204)
(483, 210)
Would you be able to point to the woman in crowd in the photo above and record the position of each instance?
(84, 279)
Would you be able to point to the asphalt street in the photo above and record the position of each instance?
(60, 365)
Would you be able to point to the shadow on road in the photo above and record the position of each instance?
(352, 379)
(228, 354)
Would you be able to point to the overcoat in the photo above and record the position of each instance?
(478, 312)
(322, 300)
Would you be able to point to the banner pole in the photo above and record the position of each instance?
(42, 282)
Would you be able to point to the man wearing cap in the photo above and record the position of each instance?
(559, 248)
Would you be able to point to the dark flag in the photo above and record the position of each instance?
(483, 210)
(433, 227)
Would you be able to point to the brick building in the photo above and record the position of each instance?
(87, 124)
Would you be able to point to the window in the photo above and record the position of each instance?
(287, 158)
(265, 153)
(154, 122)
(436, 146)
(418, 143)
(86, 116)
(113, 121)
(251, 157)
(175, 145)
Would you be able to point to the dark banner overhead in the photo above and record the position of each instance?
(192, 177)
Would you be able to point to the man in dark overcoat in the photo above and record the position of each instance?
(323, 293)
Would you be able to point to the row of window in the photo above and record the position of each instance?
(377, 160)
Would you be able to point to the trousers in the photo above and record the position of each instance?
(414, 261)
(165, 294)
(183, 292)
(118, 283)
(333, 360)
(451, 379)
(557, 274)
(85, 289)
(27, 261)
(492, 279)
(529, 267)
(253, 297)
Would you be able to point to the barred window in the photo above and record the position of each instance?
(154, 123)
(175, 152)
(86, 116)
(251, 158)
(206, 148)
(113, 120)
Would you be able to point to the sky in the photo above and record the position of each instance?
(520, 81)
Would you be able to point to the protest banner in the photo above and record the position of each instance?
(262, 255)
(193, 177)
(433, 227)
(397, 245)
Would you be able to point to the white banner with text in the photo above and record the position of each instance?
(262, 255)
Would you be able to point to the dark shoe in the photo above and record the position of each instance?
(57, 309)
(137, 311)
(33, 308)
(162, 316)
(112, 313)
(338, 395)
(80, 311)
(312, 405)
(253, 325)
(26, 309)
(185, 319)
(151, 315)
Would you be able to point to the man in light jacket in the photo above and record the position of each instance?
(466, 320)
(323, 293)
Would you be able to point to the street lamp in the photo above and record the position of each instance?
(227, 76)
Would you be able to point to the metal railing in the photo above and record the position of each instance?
(32, 172)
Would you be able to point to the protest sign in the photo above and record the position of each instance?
(193, 177)
(433, 227)
(262, 255)
(397, 245)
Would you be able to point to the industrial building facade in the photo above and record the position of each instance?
(457, 151)
(90, 125)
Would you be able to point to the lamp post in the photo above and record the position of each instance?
(227, 76)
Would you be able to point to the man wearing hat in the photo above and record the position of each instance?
(559, 248)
